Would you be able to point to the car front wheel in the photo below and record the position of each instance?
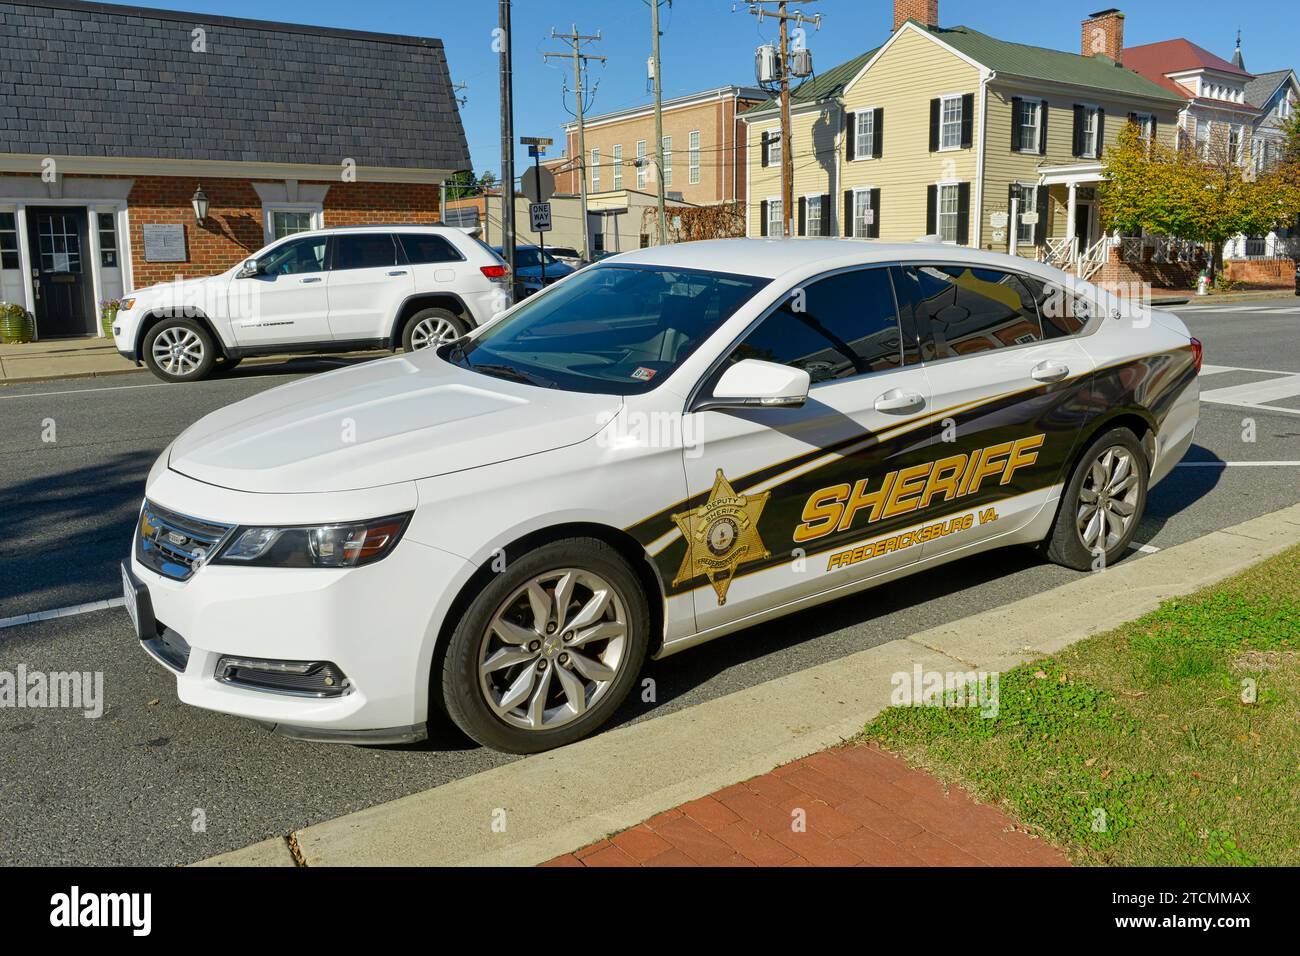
(548, 650)
(179, 350)
(1102, 504)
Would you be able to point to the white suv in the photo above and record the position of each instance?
(328, 290)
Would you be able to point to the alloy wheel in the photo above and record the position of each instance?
(434, 330)
(553, 649)
(178, 351)
(1108, 499)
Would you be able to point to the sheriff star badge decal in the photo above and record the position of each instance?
(721, 535)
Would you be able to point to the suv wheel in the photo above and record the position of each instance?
(548, 650)
(179, 350)
(1103, 502)
(430, 327)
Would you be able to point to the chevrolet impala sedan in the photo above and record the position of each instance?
(666, 447)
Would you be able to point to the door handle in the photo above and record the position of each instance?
(310, 279)
(398, 272)
(897, 400)
(1049, 372)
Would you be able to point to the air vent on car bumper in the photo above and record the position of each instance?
(174, 544)
(296, 678)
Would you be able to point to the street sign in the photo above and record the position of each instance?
(538, 184)
(535, 141)
(535, 151)
(540, 213)
(1029, 218)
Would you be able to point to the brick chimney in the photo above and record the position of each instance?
(926, 11)
(1103, 32)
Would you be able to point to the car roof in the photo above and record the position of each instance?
(384, 227)
(771, 258)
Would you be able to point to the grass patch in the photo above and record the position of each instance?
(1173, 740)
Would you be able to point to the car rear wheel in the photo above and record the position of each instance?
(1102, 504)
(548, 650)
(432, 327)
(179, 350)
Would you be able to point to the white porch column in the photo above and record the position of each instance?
(25, 263)
(1071, 220)
(96, 281)
(1014, 226)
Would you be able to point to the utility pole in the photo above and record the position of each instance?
(580, 59)
(507, 143)
(757, 8)
(659, 118)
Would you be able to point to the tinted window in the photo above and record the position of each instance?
(299, 255)
(1063, 312)
(836, 327)
(421, 248)
(972, 310)
(611, 329)
(364, 250)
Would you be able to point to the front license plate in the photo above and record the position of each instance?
(132, 598)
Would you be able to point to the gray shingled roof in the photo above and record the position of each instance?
(90, 79)
(1261, 89)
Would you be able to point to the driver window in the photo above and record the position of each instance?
(295, 257)
(833, 328)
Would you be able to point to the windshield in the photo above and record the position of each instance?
(616, 329)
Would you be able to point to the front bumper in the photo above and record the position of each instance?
(377, 624)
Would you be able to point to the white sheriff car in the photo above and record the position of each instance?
(660, 449)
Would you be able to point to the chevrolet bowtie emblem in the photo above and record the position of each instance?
(721, 535)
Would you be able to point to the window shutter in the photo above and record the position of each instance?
(803, 215)
(1077, 148)
(848, 213)
(826, 215)
(766, 142)
(1042, 129)
(963, 214)
(1017, 117)
(851, 136)
(1101, 132)
(878, 133)
(762, 218)
(967, 120)
(1153, 129)
(932, 210)
(1040, 230)
(1132, 118)
(935, 107)
(873, 231)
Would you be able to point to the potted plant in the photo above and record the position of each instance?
(16, 324)
(108, 313)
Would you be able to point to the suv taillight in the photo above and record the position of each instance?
(495, 272)
(1198, 353)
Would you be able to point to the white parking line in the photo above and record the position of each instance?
(83, 391)
(1143, 548)
(1238, 464)
(69, 611)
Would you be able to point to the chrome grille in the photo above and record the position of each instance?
(175, 544)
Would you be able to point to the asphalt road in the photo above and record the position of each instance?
(127, 788)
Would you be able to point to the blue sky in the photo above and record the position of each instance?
(705, 44)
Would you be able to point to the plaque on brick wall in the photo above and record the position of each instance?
(164, 243)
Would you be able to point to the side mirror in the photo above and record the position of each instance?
(753, 383)
(248, 269)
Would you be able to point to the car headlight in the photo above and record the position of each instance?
(347, 545)
(126, 305)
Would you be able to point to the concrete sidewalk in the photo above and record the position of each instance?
(538, 808)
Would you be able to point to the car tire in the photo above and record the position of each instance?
(431, 327)
(1109, 479)
(179, 350)
(590, 652)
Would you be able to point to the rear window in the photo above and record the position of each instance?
(422, 248)
(364, 250)
(969, 309)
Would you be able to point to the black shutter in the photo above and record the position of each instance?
(1017, 118)
(1042, 129)
(935, 106)
(873, 231)
(932, 210)
(1040, 207)
(967, 120)
(1133, 118)
(1077, 148)
(766, 142)
(762, 218)
(963, 214)
(848, 213)
(851, 136)
(1101, 132)
(1153, 130)
(803, 215)
(826, 215)
(878, 133)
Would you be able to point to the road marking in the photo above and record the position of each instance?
(1255, 393)
(69, 611)
(1238, 464)
(1216, 369)
(1144, 548)
(82, 391)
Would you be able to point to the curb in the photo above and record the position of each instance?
(538, 808)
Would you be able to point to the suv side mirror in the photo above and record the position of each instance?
(753, 383)
(248, 269)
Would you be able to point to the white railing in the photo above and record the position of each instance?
(1130, 248)
(1060, 252)
(1093, 258)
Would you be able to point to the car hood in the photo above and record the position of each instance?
(179, 291)
(394, 420)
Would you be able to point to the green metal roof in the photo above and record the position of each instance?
(1040, 63)
(820, 87)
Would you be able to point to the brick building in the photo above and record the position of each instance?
(113, 118)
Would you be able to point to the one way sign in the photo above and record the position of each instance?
(540, 213)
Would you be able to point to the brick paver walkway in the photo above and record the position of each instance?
(862, 806)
